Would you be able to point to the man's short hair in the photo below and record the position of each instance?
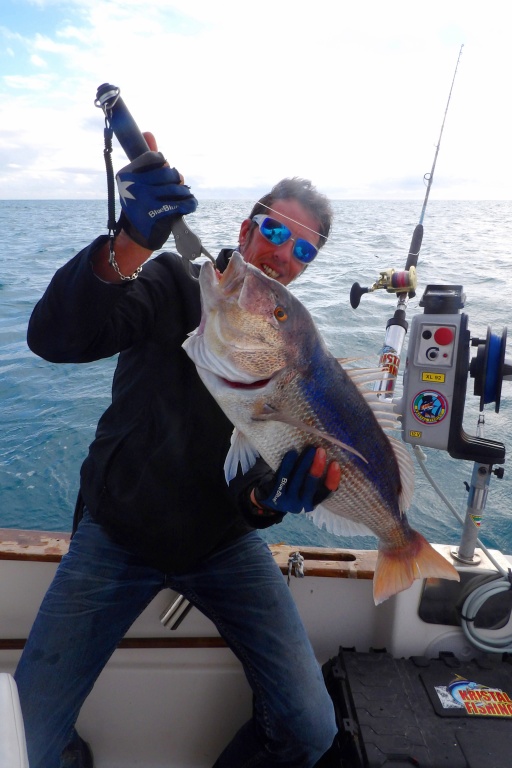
(304, 193)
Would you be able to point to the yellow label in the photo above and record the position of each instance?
(437, 378)
(414, 434)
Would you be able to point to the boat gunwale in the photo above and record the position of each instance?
(51, 546)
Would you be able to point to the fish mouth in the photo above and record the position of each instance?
(260, 384)
(230, 281)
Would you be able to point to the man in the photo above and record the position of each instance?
(154, 509)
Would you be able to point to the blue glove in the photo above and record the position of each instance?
(152, 198)
(291, 488)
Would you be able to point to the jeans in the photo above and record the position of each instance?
(101, 587)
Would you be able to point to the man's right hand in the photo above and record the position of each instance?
(152, 197)
(130, 255)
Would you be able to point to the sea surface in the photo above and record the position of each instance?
(48, 412)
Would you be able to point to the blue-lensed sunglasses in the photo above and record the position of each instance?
(278, 233)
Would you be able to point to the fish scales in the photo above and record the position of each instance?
(337, 403)
(357, 496)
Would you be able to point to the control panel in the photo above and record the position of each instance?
(435, 379)
(430, 378)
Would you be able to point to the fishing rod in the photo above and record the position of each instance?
(429, 177)
(402, 282)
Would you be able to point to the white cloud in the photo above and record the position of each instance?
(238, 94)
(37, 61)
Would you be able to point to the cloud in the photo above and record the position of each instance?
(350, 95)
(37, 61)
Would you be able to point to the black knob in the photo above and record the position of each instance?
(355, 295)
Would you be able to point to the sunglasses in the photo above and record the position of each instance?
(279, 234)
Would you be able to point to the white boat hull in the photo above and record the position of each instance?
(175, 697)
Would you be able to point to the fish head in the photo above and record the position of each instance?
(252, 327)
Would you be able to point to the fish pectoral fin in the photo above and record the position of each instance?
(268, 413)
(240, 453)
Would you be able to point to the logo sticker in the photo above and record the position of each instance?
(429, 407)
(389, 360)
(474, 698)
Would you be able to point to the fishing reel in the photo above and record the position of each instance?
(436, 376)
(391, 280)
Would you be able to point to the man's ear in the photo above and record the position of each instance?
(245, 228)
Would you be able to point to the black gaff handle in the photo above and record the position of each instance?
(121, 121)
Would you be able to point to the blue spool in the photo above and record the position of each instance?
(493, 369)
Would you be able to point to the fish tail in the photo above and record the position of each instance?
(398, 567)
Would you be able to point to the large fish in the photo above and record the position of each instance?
(260, 355)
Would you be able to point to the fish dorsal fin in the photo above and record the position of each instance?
(240, 453)
(388, 417)
(406, 468)
(365, 375)
(345, 360)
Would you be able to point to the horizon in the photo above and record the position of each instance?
(432, 201)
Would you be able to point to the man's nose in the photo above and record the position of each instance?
(285, 251)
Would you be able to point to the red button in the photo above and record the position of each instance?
(443, 336)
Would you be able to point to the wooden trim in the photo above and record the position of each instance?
(50, 546)
(172, 642)
(41, 546)
(331, 563)
(17, 644)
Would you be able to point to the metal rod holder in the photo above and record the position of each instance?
(176, 612)
(478, 493)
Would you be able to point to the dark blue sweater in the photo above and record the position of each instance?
(154, 473)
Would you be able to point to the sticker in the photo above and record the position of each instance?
(435, 378)
(474, 698)
(429, 407)
(389, 361)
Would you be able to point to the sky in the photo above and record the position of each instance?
(349, 93)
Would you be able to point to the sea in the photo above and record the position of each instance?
(48, 412)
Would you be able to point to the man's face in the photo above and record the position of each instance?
(278, 261)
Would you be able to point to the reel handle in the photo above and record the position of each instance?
(355, 294)
(124, 126)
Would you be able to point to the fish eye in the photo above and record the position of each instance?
(280, 314)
